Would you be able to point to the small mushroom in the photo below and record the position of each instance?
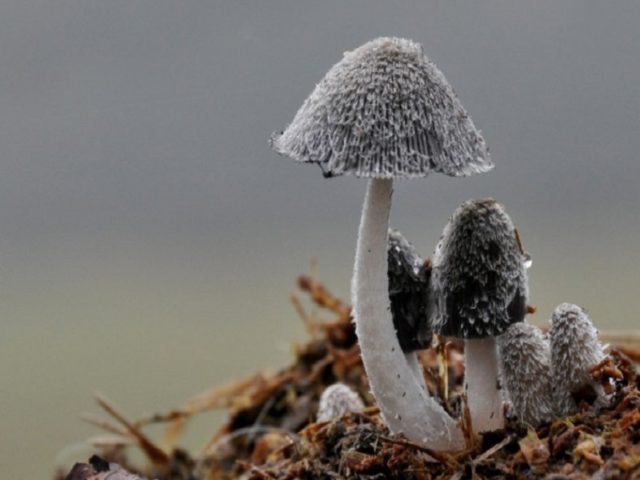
(525, 369)
(383, 112)
(479, 288)
(336, 400)
(409, 296)
(575, 349)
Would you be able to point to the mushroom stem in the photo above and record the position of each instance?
(404, 406)
(482, 384)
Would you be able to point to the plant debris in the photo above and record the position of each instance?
(271, 432)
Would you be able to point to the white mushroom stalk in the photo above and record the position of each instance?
(482, 384)
(385, 111)
(479, 288)
(404, 405)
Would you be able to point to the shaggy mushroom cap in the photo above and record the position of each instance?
(385, 111)
(525, 366)
(574, 340)
(336, 400)
(479, 280)
(573, 332)
(575, 348)
(408, 293)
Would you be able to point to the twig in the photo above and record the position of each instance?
(167, 417)
(632, 353)
(302, 313)
(110, 441)
(321, 296)
(446, 459)
(467, 427)
(102, 423)
(217, 397)
(443, 367)
(620, 336)
(172, 433)
(255, 470)
(155, 454)
(249, 431)
(489, 453)
(319, 367)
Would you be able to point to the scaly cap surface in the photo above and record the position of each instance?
(575, 348)
(479, 280)
(385, 111)
(525, 367)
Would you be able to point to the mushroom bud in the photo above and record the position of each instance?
(575, 349)
(525, 368)
(479, 288)
(382, 112)
(408, 278)
(408, 293)
(336, 400)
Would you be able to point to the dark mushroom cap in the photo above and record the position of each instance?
(479, 280)
(408, 293)
(384, 111)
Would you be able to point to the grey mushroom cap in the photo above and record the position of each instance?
(385, 111)
(573, 335)
(408, 276)
(525, 366)
(479, 280)
(575, 348)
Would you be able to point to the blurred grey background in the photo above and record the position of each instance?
(149, 238)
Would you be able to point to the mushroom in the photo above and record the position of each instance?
(479, 288)
(575, 349)
(336, 400)
(385, 111)
(408, 278)
(525, 369)
(408, 293)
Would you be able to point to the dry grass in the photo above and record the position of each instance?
(270, 432)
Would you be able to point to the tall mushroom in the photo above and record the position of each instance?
(385, 111)
(479, 287)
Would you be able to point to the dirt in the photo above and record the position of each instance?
(270, 432)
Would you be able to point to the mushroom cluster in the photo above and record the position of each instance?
(543, 372)
(479, 288)
(476, 289)
(385, 111)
